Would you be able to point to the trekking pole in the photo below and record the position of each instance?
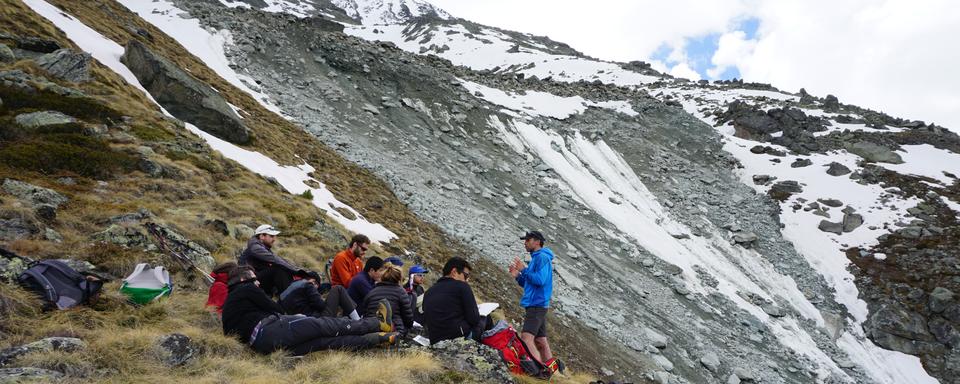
(178, 256)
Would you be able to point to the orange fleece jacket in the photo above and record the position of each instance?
(344, 267)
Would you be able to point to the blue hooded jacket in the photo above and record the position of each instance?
(537, 279)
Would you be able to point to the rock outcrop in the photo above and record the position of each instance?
(184, 96)
(67, 65)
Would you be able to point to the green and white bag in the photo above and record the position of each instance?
(145, 284)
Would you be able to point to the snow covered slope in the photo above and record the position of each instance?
(367, 12)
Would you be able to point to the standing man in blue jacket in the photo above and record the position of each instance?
(537, 282)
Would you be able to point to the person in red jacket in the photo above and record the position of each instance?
(349, 262)
(219, 289)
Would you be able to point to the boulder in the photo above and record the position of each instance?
(28, 374)
(131, 234)
(656, 339)
(940, 299)
(711, 361)
(15, 227)
(537, 211)
(894, 327)
(242, 232)
(806, 98)
(837, 169)
(176, 349)
(831, 202)
(743, 374)
(831, 227)
(43, 119)
(67, 65)
(35, 44)
(852, 221)
(800, 163)
(65, 344)
(762, 179)
(183, 95)
(744, 237)
(784, 189)
(474, 360)
(33, 194)
(11, 266)
(873, 152)
(831, 104)
(773, 310)
(6, 54)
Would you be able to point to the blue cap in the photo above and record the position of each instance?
(394, 260)
(418, 269)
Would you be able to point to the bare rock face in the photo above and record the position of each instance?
(184, 96)
(67, 64)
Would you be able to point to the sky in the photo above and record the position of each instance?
(896, 56)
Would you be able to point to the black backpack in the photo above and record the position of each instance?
(60, 286)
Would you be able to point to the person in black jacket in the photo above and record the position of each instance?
(303, 297)
(255, 319)
(449, 307)
(389, 290)
(274, 273)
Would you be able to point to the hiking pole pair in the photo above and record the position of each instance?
(184, 261)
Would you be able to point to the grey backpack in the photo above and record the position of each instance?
(60, 286)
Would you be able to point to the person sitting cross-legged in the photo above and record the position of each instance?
(303, 297)
(253, 318)
(449, 307)
(363, 282)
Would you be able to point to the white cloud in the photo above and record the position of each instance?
(731, 49)
(897, 56)
(683, 70)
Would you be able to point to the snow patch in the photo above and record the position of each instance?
(293, 178)
(536, 103)
(927, 161)
(207, 45)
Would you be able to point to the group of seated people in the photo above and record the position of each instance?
(366, 305)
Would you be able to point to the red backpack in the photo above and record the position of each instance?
(513, 351)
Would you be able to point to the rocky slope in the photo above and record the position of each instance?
(720, 231)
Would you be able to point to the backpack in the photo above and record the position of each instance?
(147, 284)
(60, 286)
(513, 351)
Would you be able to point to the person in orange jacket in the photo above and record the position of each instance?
(349, 262)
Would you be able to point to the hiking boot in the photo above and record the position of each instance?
(385, 316)
(555, 365)
(381, 339)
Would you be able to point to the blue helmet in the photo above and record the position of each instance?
(418, 269)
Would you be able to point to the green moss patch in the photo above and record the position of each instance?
(80, 107)
(65, 153)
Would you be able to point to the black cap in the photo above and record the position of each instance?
(534, 235)
(304, 274)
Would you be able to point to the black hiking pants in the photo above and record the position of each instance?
(337, 299)
(274, 279)
(304, 334)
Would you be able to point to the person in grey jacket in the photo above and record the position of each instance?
(274, 273)
(389, 290)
